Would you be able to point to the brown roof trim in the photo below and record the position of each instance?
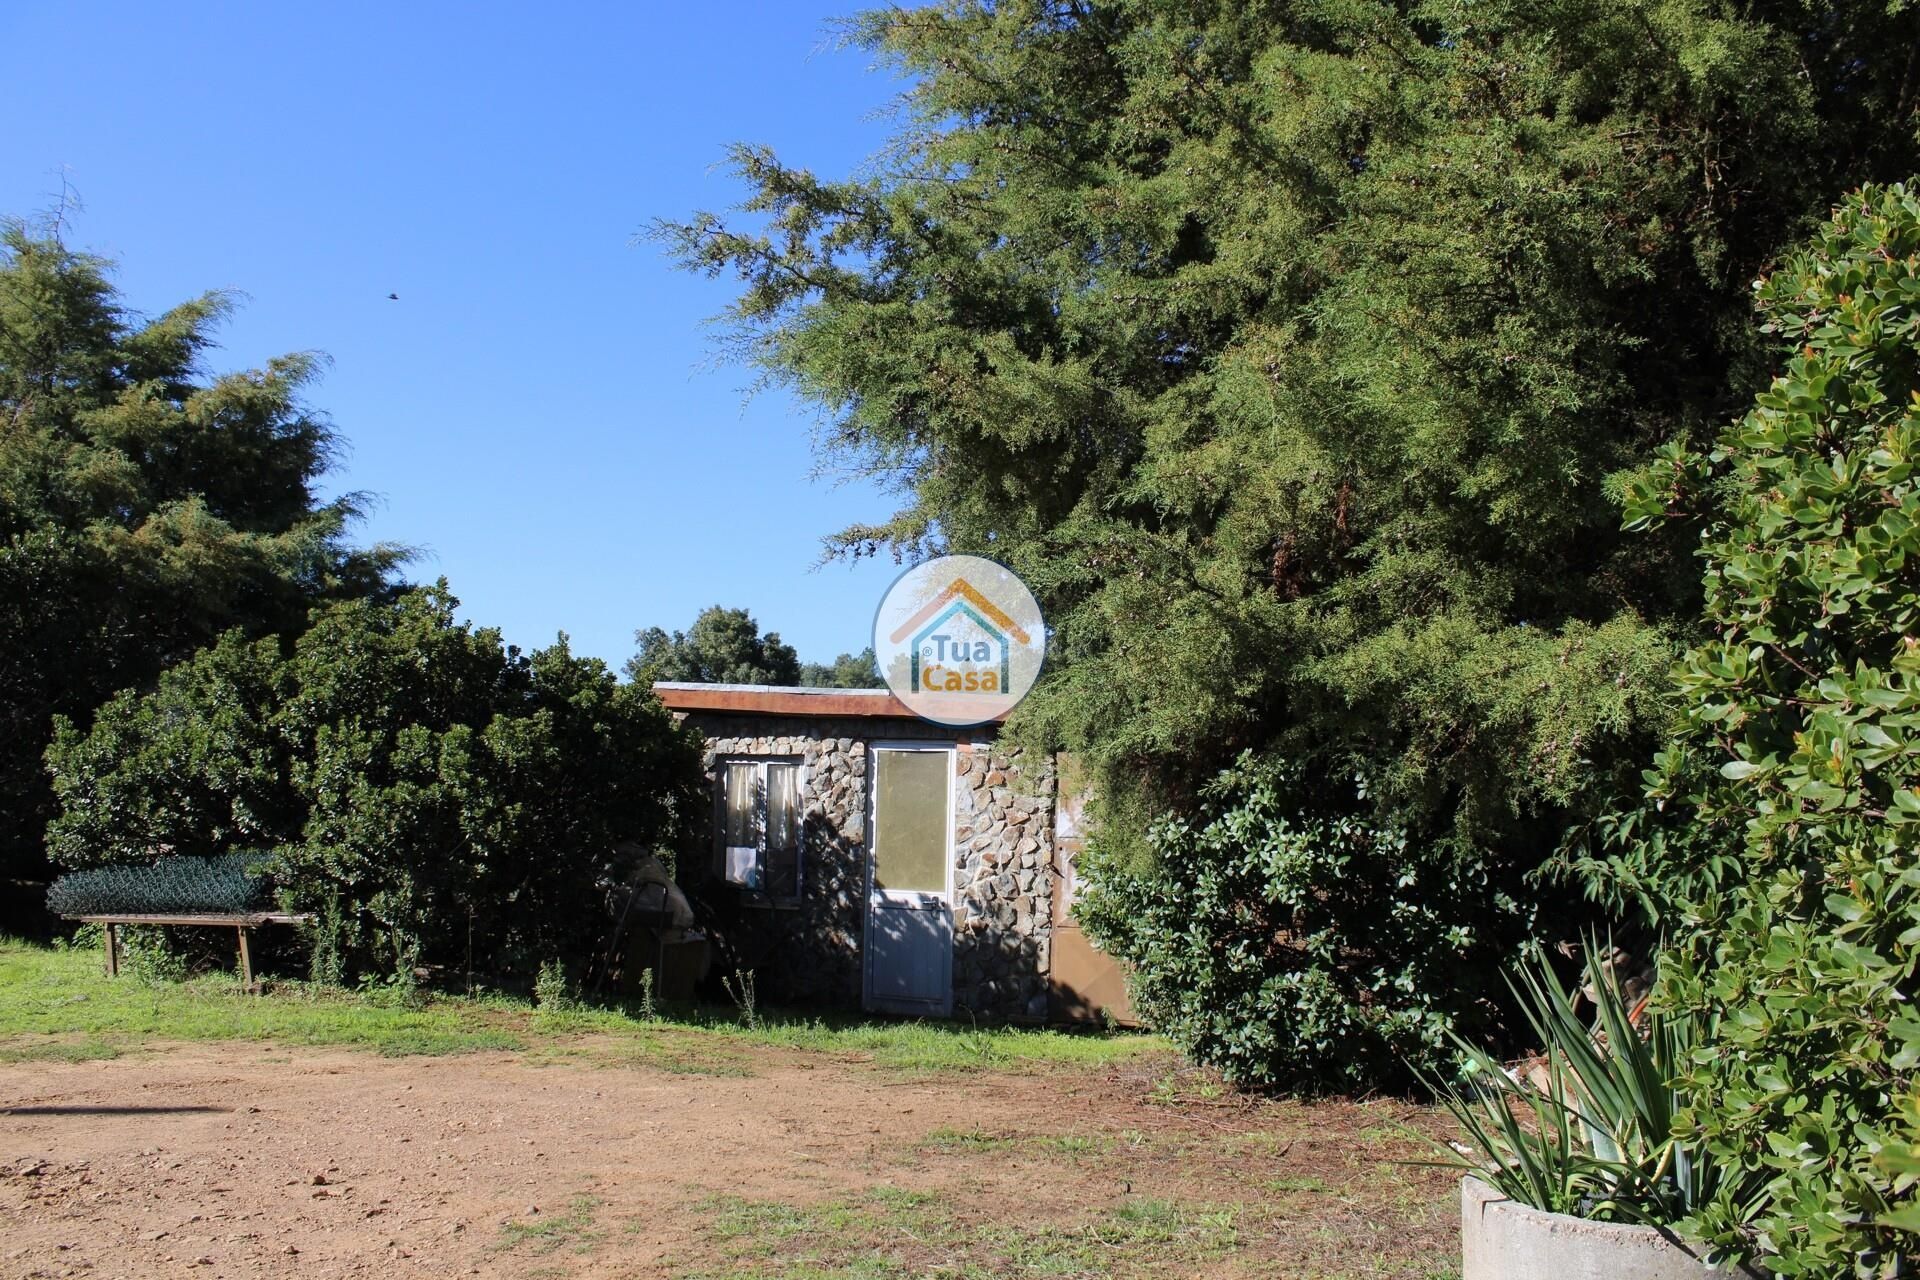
(781, 700)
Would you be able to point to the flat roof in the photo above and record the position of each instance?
(781, 700)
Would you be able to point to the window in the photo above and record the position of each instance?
(760, 836)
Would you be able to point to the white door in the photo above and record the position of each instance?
(909, 934)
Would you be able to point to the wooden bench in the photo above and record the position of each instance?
(242, 923)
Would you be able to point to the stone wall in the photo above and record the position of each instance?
(1002, 877)
(1003, 886)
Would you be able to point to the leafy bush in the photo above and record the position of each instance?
(1797, 933)
(233, 882)
(1288, 938)
(435, 797)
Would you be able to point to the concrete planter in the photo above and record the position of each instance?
(1501, 1239)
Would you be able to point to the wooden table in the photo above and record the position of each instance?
(242, 923)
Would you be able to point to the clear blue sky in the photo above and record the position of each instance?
(539, 410)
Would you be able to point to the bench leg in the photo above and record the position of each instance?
(246, 960)
(112, 938)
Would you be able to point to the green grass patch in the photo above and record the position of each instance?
(551, 1232)
(56, 1005)
(84, 1049)
(890, 1232)
(946, 1139)
(44, 992)
(1073, 1145)
(1297, 1186)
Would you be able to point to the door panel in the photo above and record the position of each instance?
(1085, 984)
(909, 932)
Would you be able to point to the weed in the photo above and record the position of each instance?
(740, 988)
(552, 993)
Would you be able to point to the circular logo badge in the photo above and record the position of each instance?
(959, 639)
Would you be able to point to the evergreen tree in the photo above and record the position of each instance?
(1292, 351)
(145, 506)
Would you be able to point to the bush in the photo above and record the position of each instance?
(434, 797)
(1290, 939)
(1797, 931)
(230, 883)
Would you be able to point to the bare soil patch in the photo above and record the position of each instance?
(234, 1160)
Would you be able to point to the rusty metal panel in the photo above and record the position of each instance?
(1085, 984)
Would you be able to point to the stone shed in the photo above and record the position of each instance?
(861, 857)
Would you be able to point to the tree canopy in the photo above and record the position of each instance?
(145, 505)
(725, 646)
(848, 671)
(1294, 354)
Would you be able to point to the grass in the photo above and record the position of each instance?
(55, 1005)
(889, 1232)
(548, 1233)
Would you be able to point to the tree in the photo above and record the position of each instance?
(724, 646)
(145, 507)
(1292, 353)
(1792, 903)
(431, 794)
(848, 671)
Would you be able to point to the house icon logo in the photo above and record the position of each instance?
(959, 639)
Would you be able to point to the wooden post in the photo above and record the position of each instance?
(113, 950)
(246, 960)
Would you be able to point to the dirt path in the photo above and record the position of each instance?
(237, 1160)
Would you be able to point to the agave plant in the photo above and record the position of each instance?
(1589, 1129)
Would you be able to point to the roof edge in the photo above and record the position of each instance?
(779, 700)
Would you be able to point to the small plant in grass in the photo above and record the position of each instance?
(740, 988)
(553, 994)
(647, 1012)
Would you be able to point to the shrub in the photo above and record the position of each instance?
(1797, 932)
(435, 797)
(233, 882)
(1287, 937)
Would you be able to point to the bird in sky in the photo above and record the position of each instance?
(393, 297)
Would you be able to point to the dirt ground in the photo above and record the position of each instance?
(238, 1160)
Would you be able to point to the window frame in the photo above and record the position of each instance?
(763, 825)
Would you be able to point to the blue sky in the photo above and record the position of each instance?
(540, 409)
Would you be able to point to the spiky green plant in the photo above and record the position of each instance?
(1591, 1132)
